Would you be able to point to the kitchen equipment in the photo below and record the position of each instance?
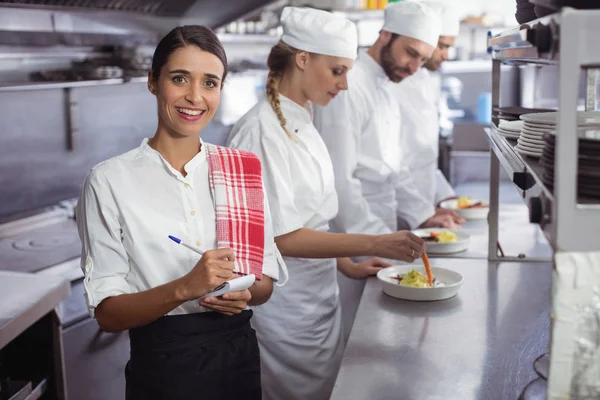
(525, 11)
(451, 281)
(556, 5)
(588, 168)
(89, 361)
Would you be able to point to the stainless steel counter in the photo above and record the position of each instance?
(25, 298)
(478, 345)
(516, 236)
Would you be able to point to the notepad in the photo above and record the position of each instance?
(234, 285)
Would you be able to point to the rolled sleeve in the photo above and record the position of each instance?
(104, 260)
(273, 262)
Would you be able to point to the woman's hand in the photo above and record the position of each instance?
(214, 268)
(402, 245)
(364, 269)
(229, 304)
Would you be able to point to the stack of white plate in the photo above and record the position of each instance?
(510, 129)
(531, 142)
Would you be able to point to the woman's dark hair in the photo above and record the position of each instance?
(188, 35)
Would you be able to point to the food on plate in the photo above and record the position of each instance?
(466, 202)
(414, 279)
(441, 237)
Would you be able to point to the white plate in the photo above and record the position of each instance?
(533, 154)
(532, 141)
(535, 138)
(584, 118)
(467, 213)
(510, 125)
(534, 133)
(525, 146)
(528, 145)
(538, 128)
(452, 282)
(509, 134)
(509, 130)
(461, 244)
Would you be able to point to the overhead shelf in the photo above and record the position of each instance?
(533, 42)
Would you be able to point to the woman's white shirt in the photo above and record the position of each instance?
(129, 206)
(298, 174)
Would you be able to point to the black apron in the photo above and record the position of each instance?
(194, 357)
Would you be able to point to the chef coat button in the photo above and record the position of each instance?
(187, 185)
(197, 243)
(193, 212)
(88, 261)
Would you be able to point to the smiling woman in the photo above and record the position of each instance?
(175, 184)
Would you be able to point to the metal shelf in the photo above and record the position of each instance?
(74, 84)
(534, 42)
(526, 174)
(38, 391)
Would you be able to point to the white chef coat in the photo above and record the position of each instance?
(418, 97)
(299, 329)
(129, 206)
(361, 128)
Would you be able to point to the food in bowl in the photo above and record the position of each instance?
(441, 237)
(464, 202)
(416, 279)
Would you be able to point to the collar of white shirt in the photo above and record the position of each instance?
(155, 156)
(295, 111)
(372, 67)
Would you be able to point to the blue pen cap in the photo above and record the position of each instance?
(175, 239)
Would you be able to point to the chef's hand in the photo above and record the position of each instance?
(364, 269)
(402, 245)
(440, 221)
(456, 217)
(229, 304)
(214, 268)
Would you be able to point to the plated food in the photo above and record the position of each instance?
(467, 207)
(437, 236)
(443, 241)
(446, 283)
(416, 279)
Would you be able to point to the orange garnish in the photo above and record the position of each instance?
(427, 268)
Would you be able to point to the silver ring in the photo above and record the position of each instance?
(413, 253)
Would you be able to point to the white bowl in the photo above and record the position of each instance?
(452, 280)
(467, 213)
(461, 244)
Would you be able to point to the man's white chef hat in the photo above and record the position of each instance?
(320, 32)
(413, 19)
(448, 14)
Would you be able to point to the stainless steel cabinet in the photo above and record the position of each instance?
(94, 362)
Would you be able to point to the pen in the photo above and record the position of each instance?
(192, 248)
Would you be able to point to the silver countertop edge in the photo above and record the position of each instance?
(45, 304)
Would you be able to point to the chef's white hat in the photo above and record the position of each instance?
(413, 19)
(319, 32)
(448, 14)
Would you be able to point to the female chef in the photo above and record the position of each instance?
(175, 184)
(299, 329)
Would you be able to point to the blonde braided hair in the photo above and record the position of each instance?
(280, 58)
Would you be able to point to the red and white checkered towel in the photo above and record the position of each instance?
(236, 183)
